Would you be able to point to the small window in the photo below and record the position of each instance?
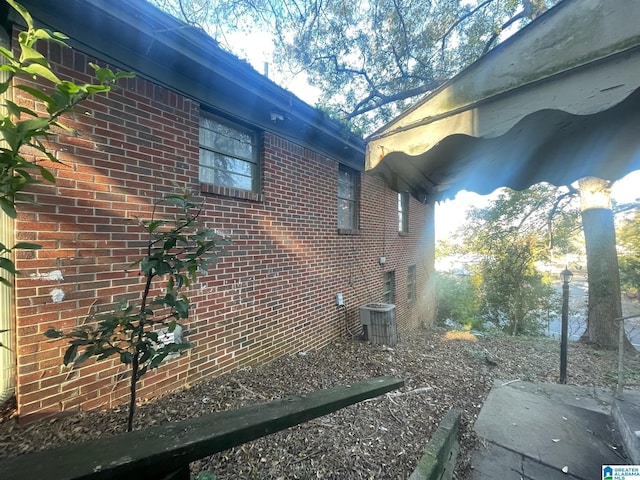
(228, 155)
(411, 283)
(389, 287)
(403, 212)
(348, 185)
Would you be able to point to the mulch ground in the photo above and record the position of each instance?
(382, 438)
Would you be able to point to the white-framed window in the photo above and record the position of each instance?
(403, 212)
(411, 283)
(228, 155)
(348, 188)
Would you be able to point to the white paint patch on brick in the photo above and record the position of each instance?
(57, 295)
(53, 276)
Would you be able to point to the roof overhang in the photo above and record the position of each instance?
(558, 101)
(133, 35)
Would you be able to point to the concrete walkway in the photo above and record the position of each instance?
(533, 431)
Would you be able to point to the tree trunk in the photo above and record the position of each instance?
(605, 304)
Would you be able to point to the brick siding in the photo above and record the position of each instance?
(272, 295)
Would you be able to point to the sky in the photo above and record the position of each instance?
(257, 49)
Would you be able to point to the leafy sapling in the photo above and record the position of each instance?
(177, 251)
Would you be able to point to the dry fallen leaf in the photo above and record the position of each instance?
(381, 439)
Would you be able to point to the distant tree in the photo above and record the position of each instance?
(369, 59)
(519, 228)
(628, 238)
(512, 233)
(544, 212)
(446, 247)
(514, 292)
(630, 274)
(628, 235)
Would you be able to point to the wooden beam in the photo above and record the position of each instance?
(157, 451)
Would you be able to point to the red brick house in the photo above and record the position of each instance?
(305, 220)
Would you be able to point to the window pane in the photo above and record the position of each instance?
(232, 165)
(225, 163)
(347, 199)
(225, 179)
(227, 155)
(238, 147)
(225, 137)
(207, 175)
(237, 181)
(388, 294)
(403, 213)
(345, 176)
(226, 172)
(344, 221)
(346, 214)
(207, 158)
(346, 191)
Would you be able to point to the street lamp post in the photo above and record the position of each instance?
(565, 275)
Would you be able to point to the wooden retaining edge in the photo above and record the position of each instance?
(439, 457)
(165, 451)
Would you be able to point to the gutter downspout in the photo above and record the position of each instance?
(7, 323)
(7, 318)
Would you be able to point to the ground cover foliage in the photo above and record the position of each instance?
(381, 438)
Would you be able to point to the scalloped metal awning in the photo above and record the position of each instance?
(557, 101)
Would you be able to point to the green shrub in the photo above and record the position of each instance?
(457, 301)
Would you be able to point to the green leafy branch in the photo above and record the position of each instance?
(22, 127)
(177, 251)
(6, 264)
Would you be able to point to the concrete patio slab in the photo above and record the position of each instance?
(533, 431)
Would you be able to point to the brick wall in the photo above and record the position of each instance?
(272, 295)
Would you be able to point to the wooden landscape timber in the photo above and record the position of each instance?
(165, 451)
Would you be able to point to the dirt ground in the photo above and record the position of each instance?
(377, 439)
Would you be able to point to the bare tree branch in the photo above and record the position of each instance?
(505, 25)
(461, 19)
(386, 99)
(571, 193)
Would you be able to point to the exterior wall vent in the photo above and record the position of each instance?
(379, 323)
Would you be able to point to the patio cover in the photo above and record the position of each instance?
(557, 101)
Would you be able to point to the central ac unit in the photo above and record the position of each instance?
(379, 323)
